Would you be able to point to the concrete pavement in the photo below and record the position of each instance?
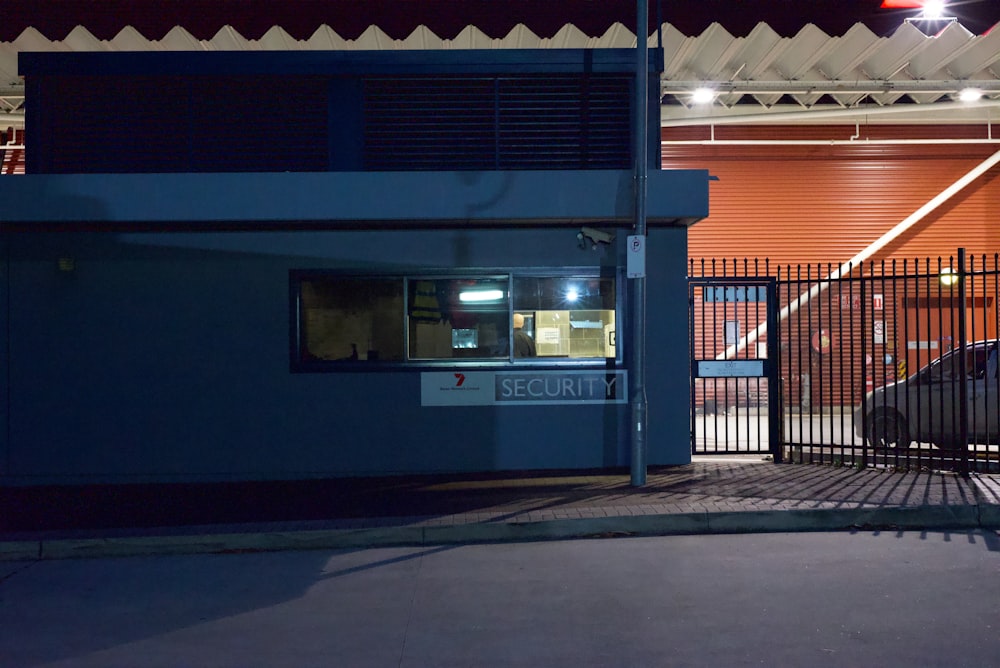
(708, 496)
(843, 599)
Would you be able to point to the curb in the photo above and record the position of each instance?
(769, 521)
(20, 550)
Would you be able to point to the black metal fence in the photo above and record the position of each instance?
(879, 364)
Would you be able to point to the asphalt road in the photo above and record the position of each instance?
(812, 599)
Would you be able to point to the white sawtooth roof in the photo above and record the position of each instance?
(756, 77)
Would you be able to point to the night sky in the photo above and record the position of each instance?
(300, 18)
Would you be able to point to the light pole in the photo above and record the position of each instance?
(637, 396)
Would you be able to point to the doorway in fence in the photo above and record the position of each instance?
(733, 372)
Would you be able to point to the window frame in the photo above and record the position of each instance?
(300, 364)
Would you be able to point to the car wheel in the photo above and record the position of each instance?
(887, 431)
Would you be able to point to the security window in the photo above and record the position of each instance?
(459, 318)
(571, 317)
(351, 319)
(350, 322)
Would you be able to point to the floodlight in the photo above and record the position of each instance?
(703, 96)
(934, 9)
(948, 276)
(970, 95)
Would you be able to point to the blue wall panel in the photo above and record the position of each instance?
(164, 356)
(406, 199)
(667, 356)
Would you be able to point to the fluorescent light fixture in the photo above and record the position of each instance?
(970, 95)
(703, 96)
(479, 296)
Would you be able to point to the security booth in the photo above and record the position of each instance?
(182, 315)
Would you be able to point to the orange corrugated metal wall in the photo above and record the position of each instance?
(820, 205)
(825, 203)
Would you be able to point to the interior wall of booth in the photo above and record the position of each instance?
(164, 356)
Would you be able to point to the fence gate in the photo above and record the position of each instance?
(735, 397)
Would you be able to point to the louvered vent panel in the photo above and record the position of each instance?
(185, 124)
(550, 122)
(111, 124)
(418, 123)
(232, 129)
(564, 123)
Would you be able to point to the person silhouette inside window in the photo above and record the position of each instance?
(524, 345)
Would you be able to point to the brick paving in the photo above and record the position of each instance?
(702, 497)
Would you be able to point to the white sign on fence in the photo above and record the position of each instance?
(730, 368)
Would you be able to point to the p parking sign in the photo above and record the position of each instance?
(635, 263)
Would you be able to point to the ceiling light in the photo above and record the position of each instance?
(930, 9)
(970, 95)
(703, 96)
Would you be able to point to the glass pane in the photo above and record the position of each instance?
(347, 319)
(976, 366)
(570, 317)
(466, 318)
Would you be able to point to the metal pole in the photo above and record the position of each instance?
(963, 371)
(637, 395)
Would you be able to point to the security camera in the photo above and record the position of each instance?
(594, 236)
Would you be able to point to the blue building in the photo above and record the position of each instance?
(330, 287)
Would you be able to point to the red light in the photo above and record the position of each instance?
(902, 4)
